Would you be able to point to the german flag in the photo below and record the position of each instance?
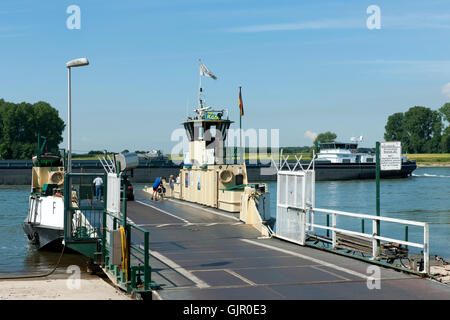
(241, 106)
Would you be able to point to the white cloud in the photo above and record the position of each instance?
(405, 21)
(307, 25)
(310, 135)
(446, 90)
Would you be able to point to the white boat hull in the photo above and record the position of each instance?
(44, 225)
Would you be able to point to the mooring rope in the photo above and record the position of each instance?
(39, 275)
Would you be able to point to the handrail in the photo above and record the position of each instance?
(144, 252)
(368, 216)
(365, 235)
(83, 223)
(373, 236)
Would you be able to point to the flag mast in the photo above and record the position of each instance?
(200, 87)
(241, 109)
(204, 71)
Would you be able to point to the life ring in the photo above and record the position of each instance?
(225, 175)
(57, 177)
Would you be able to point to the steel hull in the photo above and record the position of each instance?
(356, 171)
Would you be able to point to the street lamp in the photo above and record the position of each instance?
(71, 64)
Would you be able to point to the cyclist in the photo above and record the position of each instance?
(156, 185)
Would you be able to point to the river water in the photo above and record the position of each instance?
(423, 197)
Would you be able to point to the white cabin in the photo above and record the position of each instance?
(342, 152)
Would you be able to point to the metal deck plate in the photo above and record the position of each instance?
(196, 254)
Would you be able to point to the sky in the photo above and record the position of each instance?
(305, 67)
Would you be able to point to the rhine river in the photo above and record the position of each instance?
(423, 197)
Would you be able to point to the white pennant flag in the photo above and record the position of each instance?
(204, 71)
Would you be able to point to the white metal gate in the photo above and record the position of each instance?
(112, 203)
(295, 199)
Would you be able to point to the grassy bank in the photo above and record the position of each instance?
(430, 157)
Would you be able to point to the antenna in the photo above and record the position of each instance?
(187, 107)
(200, 103)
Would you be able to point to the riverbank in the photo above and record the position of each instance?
(432, 164)
(441, 273)
(90, 287)
(430, 159)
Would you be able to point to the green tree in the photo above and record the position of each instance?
(48, 124)
(323, 137)
(2, 102)
(95, 152)
(20, 125)
(445, 111)
(394, 128)
(423, 128)
(445, 141)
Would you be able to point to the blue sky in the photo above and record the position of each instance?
(304, 66)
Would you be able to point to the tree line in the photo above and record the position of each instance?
(94, 153)
(420, 129)
(20, 125)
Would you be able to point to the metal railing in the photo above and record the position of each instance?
(83, 217)
(137, 255)
(374, 237)
(89, 225)
(141, 252)
(297, 221)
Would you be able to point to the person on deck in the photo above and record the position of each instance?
(171, 184)
(98, 182)
(156, 184)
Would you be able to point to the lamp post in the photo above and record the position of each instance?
(71, 64)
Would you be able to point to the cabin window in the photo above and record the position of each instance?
(189, 131)
(210, 134)
(345, 160)
(223, 128)
(239, 179)
(369, 160)
(327, 146)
